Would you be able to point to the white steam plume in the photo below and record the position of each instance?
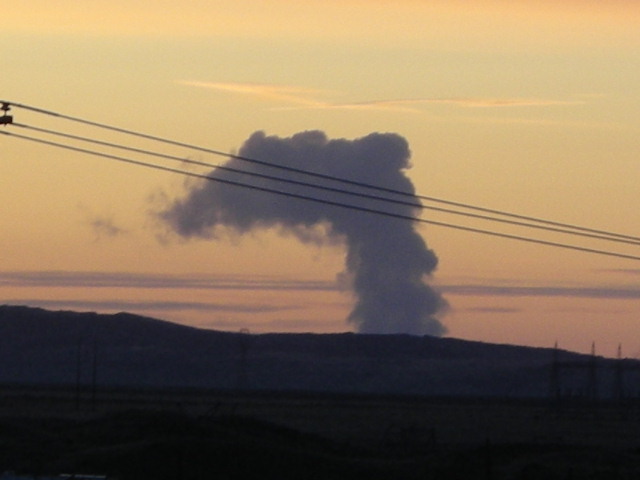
(387, 260)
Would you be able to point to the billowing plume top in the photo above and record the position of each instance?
(387, 260)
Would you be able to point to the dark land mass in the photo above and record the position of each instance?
(41, 347)
(139, 398)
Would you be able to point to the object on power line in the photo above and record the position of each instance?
(5, 119)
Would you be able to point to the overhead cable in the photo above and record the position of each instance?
(321, 201)
(324, 176)
(327, 188)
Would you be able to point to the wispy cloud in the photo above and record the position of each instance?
(501, 102)
(102, 225)
(294, 325)
(105, 227)
(624, 271)
(75, 279)
(542, 291)
(150, 306)
(297, 98)
(492, 310)
(288, 94)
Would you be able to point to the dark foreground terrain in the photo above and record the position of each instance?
(201, 434)
(137, 398)
(40, 347)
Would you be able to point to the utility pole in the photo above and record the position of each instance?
(618, 386)
(592, 383)
(78, 371)
(554, 384)
(242, 366)
(94, 373)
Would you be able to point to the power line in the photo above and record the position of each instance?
(325, 176)
(322, 201)
(323, 187)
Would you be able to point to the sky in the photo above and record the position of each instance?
(524, 106)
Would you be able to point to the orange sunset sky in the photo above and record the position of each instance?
(525, 106)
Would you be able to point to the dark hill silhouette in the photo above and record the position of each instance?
(59, 348)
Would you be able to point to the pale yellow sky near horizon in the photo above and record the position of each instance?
(524, 106)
